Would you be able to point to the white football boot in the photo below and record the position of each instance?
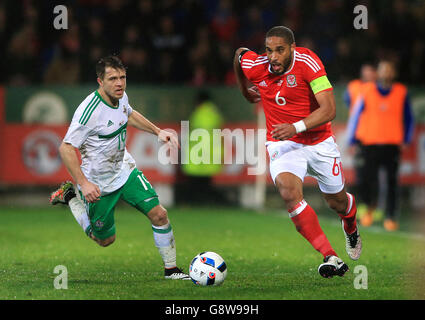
(353, 243)
(332, 266)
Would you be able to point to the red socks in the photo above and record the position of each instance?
(349, 219)
(307, 223)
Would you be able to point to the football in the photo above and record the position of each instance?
(208, 269)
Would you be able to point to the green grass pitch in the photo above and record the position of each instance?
(266, 258)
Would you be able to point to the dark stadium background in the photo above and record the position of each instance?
(171, 41)
(175, 48)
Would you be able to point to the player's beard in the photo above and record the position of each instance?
(286, 65)
(112, 96)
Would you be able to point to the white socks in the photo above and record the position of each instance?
(164, 241)
(79, 212)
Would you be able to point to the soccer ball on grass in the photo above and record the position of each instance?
(208, 269)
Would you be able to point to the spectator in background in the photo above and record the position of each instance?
(169, 46)
(399, 19)
(343, 60)
(351, 95)
(144, 16)
(382, 121)
(354, 87)
(252, 30)
(3, 40)
(93, 40)
(115, 19)
(205, 65)
(224, 24)
(225, 54)
(29, 42)
(21, 52)
(200, 188)
(66, 58)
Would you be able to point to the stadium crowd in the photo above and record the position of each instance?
(192, 42)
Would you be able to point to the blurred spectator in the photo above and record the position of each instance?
(201, 167)
(224, 23)
(403, 26)
(168, 31)
(252, 30)
(65, 67)
(93, 42)
(203, 58)
(351, 96)
(115, 18)
(382, 121)
(21, 52)
(3, 39)
(354, 87)
(169, 45)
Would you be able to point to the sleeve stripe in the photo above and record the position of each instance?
(308, 63)
(86, 110)
(89, 112)
(249, 66)
(309, 58)
(247, 61)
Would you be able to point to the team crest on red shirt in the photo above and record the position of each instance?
(291, 80)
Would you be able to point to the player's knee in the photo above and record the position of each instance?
(159, 216)
(290, 195)
(106, 242)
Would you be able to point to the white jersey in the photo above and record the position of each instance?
(99, 131)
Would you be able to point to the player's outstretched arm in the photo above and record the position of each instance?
(248, 91)
(325, 113)
(137, 120)
(90, 191)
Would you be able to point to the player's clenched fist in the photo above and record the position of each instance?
(90, 191)
(283, 131)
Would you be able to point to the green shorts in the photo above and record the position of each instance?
(137, 192)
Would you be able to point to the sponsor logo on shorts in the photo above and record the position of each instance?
(274, 155)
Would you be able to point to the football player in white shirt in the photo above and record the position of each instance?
(108, 172)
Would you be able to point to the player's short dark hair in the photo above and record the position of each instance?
(282, 32)
(109, 61)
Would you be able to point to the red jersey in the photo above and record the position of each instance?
(288, 98)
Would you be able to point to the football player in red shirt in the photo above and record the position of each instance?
(299, 106)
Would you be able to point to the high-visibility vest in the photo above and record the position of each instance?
(354, 88)
(381, 121)
(207, 117)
